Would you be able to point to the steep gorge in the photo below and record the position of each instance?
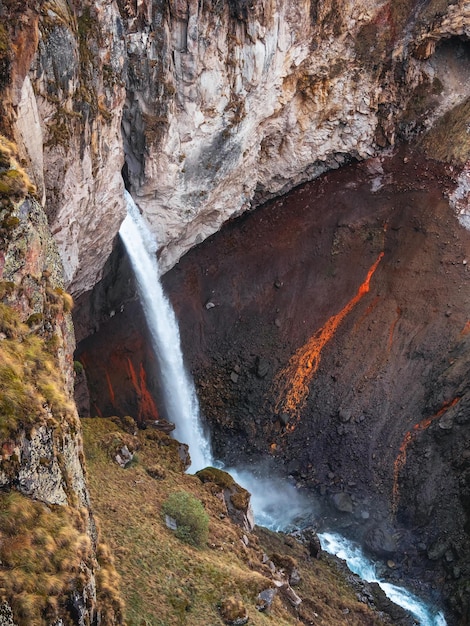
(374, 302)
(210, 109)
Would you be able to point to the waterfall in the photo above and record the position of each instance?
(179, 394)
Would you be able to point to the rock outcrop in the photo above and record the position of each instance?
(44, 493)
(230, 103)
(64, 93)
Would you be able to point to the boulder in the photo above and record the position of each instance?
(265, 599)
(380, 541)
(236, 498)
(342, 502)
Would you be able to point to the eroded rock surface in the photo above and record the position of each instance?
(222, 104)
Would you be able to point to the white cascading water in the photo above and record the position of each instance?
(179, 394)
(360, 565)
(276, 504)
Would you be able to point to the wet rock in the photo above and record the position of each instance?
(383, 603)
(310, 538)
(342, 502)
(380, 540)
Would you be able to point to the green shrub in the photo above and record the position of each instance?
(191, 518)
(78, 367)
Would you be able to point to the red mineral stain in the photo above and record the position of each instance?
(400, 461)
(147, 409)
(110, 388)
(466, 328)
(293, 382)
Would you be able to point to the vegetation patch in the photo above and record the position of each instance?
(168, 582)
(30, 378)
(5, 59)
(41, 550)
(192, 522)
(14, 185)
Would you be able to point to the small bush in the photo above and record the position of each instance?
(78, 367)
(233, 611)
(191, 518)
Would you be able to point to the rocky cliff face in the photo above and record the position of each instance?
(68, 126)
(230, 103)
(53, 568)
(223, 105)
(49, 569)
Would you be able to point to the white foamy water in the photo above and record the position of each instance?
(276, 503)
(180, 398)
(363, 567)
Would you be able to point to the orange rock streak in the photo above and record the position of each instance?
(400, 461)
(293, 382)
(146, 404)
(110, 388)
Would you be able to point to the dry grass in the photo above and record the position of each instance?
(30, 379)
(328, 600)
(166, 582)
(14, 184)
(41, 549)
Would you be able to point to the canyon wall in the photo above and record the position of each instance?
(54, 568)
(328, 336)
(222, 104)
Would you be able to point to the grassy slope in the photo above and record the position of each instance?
(167, 582)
